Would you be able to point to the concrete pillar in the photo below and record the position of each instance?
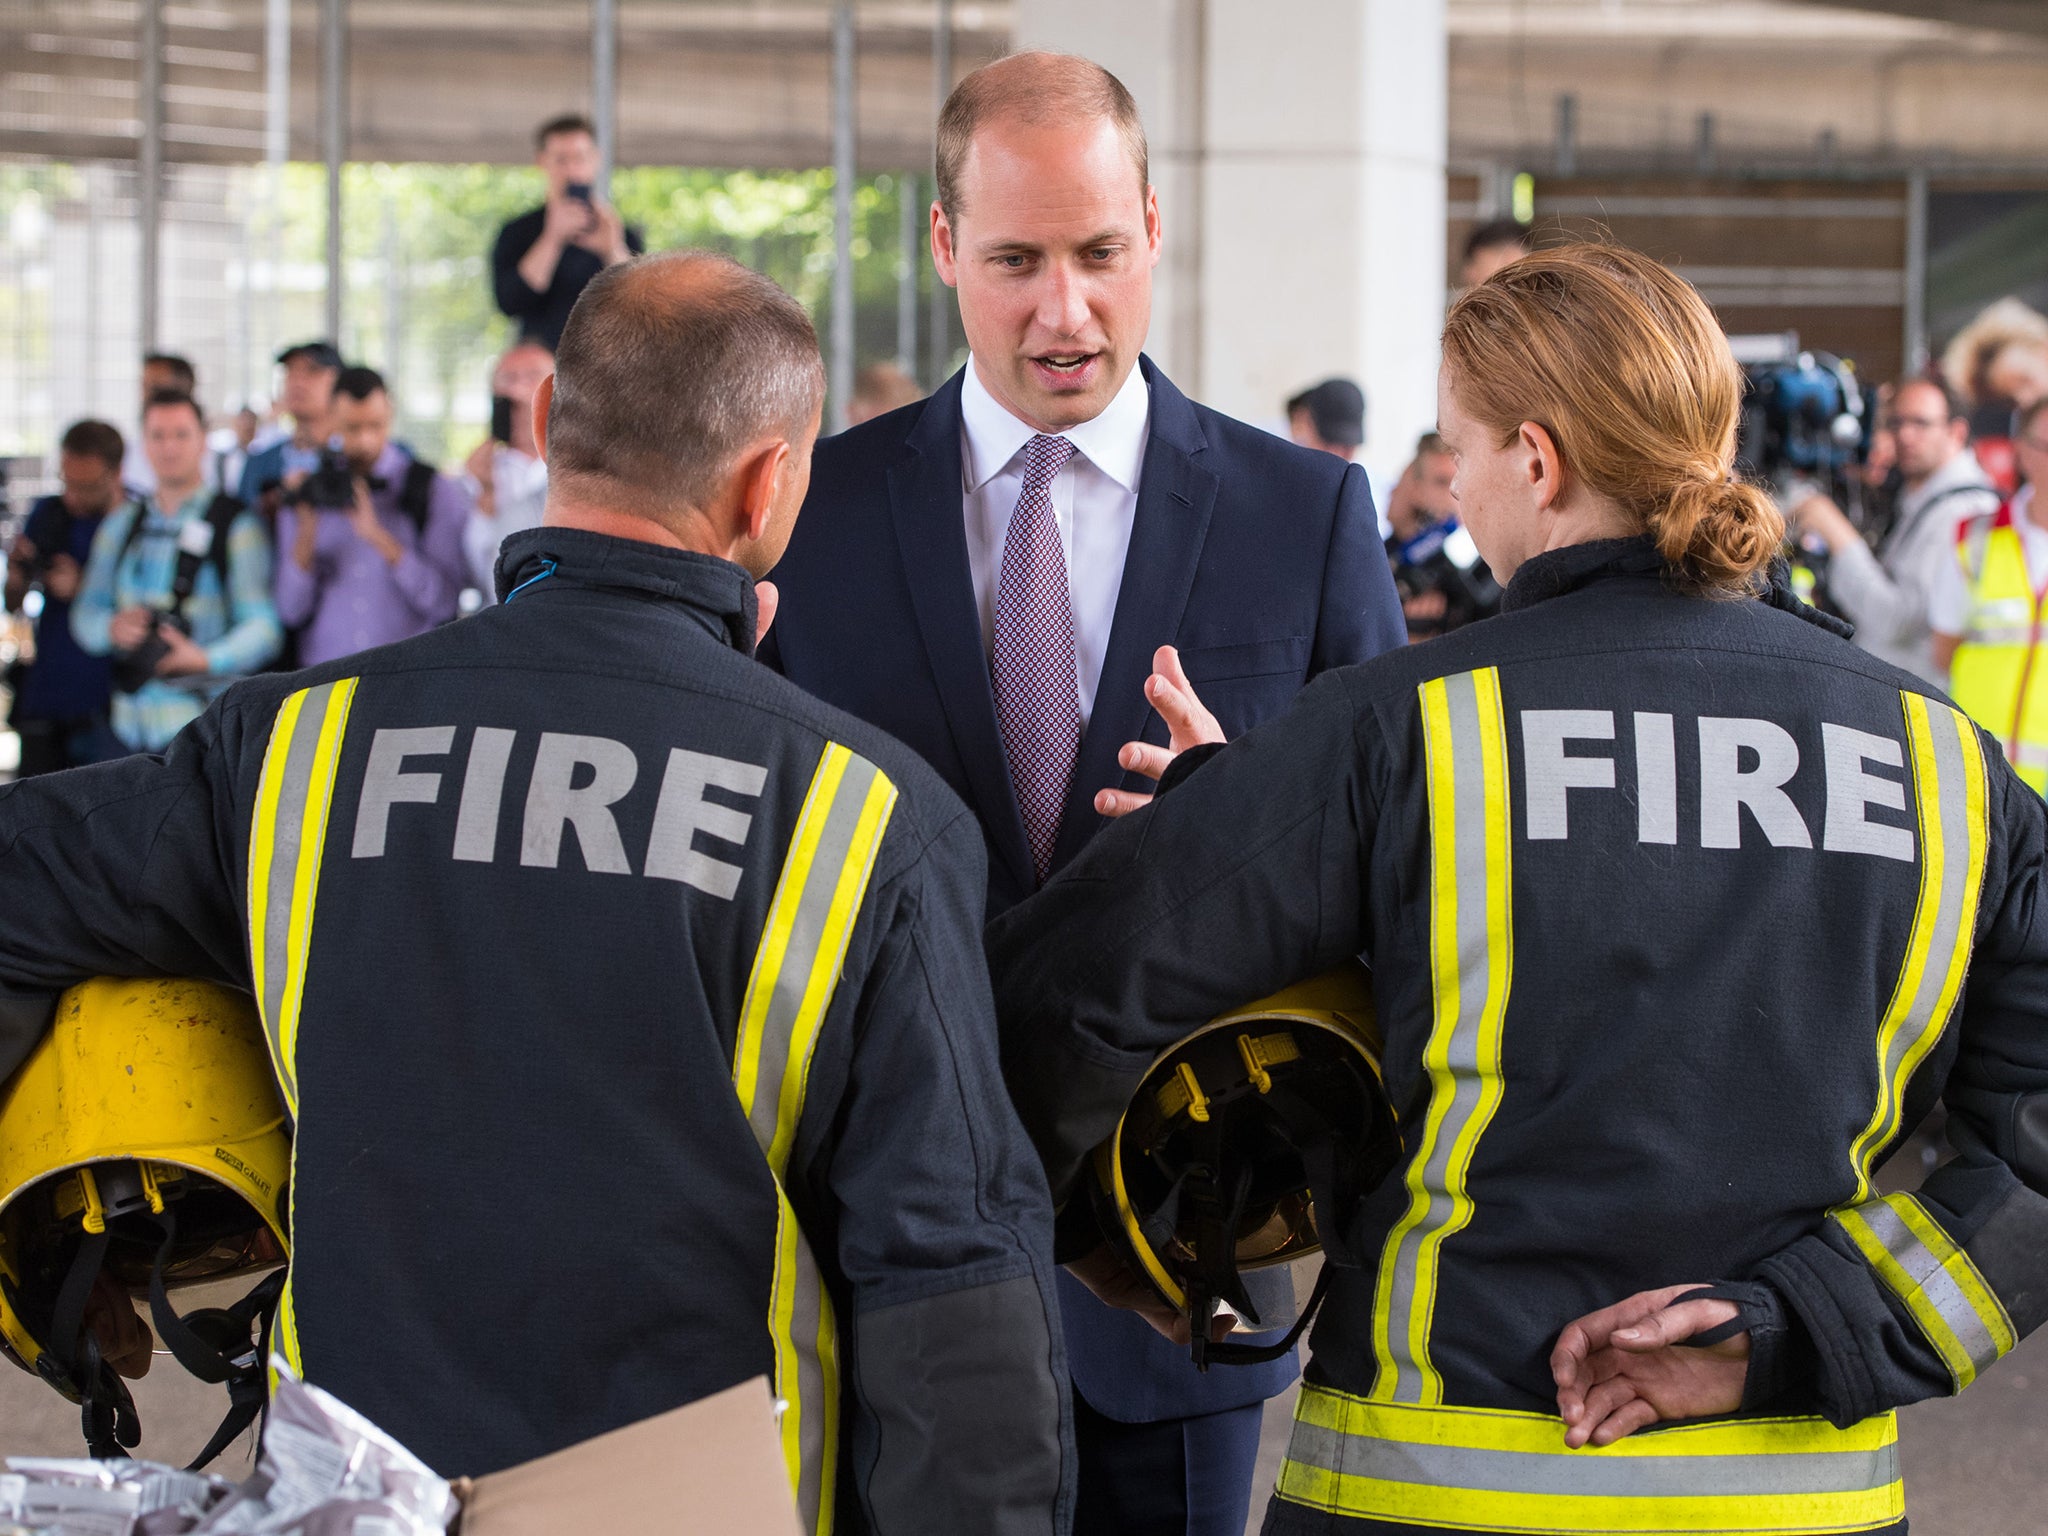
(1300, 164)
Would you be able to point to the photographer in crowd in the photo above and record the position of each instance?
(160, 371)
(177, 589)
(60, 700)
(1329, 417)
(544, 257)
(370, 544)
(307, 397)
(1885, 592)
(1444, 584)
(508, 479)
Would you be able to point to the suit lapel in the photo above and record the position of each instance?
(926, 500)
(1175, 497)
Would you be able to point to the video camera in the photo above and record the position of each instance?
(1805, 428)
(1442, 558)
(1804, 416)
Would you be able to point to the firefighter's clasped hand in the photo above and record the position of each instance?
(1629, 1366)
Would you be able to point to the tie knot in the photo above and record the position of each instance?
(1045, 457)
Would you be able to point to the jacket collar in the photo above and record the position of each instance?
(715, 594)
(1558, 571)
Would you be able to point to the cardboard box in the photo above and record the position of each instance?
(713, 1466)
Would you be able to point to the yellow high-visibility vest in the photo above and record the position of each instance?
(1994, 677)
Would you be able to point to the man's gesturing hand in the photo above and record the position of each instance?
(1188, 724)
(1627, 1366)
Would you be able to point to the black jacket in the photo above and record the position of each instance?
(529, 1205)
(541, 313)
(1668, 903)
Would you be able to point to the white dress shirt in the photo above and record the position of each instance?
(1094, 498)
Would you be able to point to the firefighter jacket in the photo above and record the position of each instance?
(1993, 676)
(631, 1007)
(1671, 905)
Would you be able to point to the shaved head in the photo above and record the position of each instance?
(669, 369)
(1037, 90)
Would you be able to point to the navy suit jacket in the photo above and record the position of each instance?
(1260, 560)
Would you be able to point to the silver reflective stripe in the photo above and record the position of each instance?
(1951, 905)
(287, 828)
(806, 934)
(1532, 1472)
(1469, 878)
(807, 1321)
(2021, 635)
(1933, 1282)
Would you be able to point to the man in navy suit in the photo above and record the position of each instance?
(987, 575)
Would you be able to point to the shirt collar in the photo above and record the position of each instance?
(195, 503)
(1114, 442)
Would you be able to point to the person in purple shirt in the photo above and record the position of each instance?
(387, 565)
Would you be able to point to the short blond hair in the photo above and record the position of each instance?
(1626, 367)
(1034, 88)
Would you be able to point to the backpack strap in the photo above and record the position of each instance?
(416, 492)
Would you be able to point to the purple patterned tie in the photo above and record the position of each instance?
(1037, 685)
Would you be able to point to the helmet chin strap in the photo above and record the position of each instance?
(72, 1362)
(214, 1342)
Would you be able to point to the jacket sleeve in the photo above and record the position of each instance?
(254, 637)
(430, 576)
(298, 589)
(1891, 605)
(1910, 1296)
(1161, 924)
(516, 297)
(1361, 612)
(127, 868)
(93, 609)
(944, 1232)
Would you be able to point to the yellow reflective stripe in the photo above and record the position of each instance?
(782, 912)
(818, 896)
(1960, 1315)
(1949, 799)
(1471, 955)
(845, 899)
(1493, 1470)
(287, 835)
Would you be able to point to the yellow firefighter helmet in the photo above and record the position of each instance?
(1249, 1144)
(143, 1141)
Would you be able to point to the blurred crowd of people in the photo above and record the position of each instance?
(173, 562)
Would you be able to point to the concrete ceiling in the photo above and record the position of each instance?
(2030, 16)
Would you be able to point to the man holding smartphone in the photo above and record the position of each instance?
(545, 256)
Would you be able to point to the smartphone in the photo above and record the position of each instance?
(501, 418)
(580, 190)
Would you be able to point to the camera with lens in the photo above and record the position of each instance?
(132, 669)
(1805, 428)
(1443, 559)
(331, 487)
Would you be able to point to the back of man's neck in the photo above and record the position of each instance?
(615, 524)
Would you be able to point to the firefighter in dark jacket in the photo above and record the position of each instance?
(1682, 912)
(630, 1003)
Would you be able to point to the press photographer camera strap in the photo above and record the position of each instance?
(220, 516)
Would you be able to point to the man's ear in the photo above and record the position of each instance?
(542, 398)
(944, 256)
(759, 479)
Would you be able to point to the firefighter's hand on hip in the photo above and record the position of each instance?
(1628, 1366)
(1188, 724)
